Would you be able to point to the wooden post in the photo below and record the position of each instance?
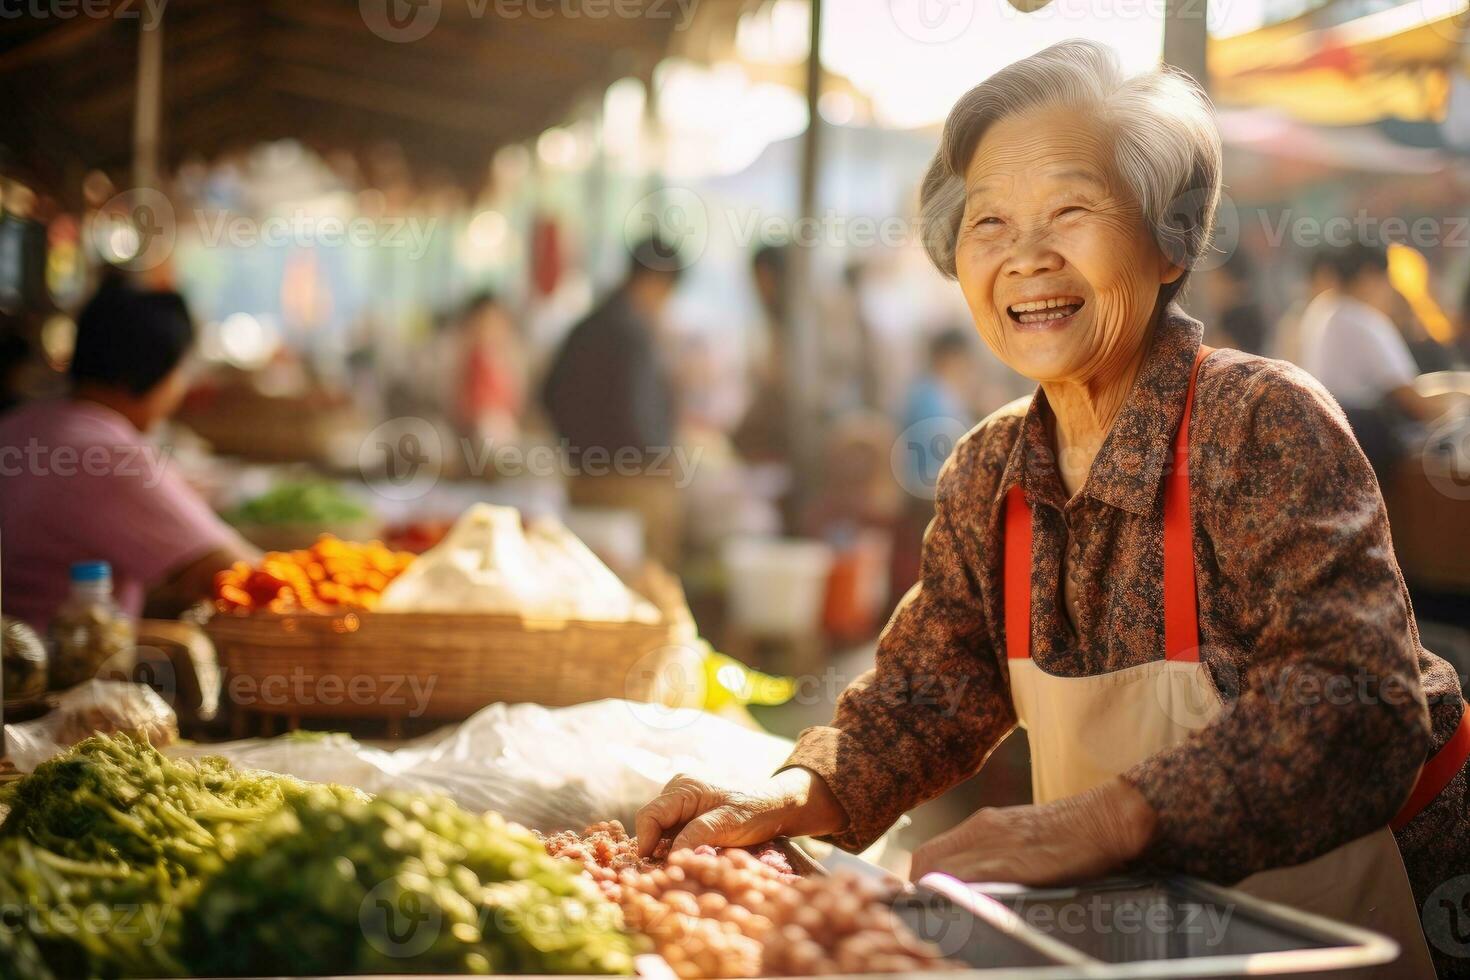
(799, 304)
(148, 107)
(596, 187)
(1185, 38)
(1185, 47)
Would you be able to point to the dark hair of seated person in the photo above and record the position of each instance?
(15, 352)
(1352, 260)
(129, 338)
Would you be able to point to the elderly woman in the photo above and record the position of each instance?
(1171, 565)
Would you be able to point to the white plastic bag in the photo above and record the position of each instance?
(94, 706)
(488, 564)
(484, 564)
(548, 768)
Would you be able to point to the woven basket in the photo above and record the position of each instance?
(446, 666)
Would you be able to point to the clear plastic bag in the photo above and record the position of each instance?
(95, 706)
(547, 768)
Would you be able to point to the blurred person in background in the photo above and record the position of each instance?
(491, 365)
(763, 437)
(1351, 344)
(15, 358)
(941, 392)
(1242, 324)
(851, 346)
(611, 398)
(937, 403)
(82, 482)
(1321, 278)
(764, 432)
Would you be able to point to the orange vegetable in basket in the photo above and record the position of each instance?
(331, 574)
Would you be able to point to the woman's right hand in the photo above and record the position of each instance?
(795, 802)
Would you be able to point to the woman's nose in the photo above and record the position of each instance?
(1032, 255)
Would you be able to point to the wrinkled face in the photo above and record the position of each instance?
(1058, 269)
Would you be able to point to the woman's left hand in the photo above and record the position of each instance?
(1079, 837)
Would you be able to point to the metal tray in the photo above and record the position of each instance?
(1159, 927)
(1121, 927)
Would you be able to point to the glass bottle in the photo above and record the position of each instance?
(89, 629)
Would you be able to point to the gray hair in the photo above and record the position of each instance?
(1166, 145)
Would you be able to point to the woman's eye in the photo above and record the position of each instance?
(1071, 210)
(985, 219)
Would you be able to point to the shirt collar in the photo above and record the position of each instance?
(1130, 466)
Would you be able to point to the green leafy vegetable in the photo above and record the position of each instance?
(311, 502)
(116, 861)
(66, 918)
(400, 884)
(116, 799)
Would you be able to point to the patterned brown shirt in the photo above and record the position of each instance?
(1305, 626)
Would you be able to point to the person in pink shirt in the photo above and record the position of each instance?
(80, 481)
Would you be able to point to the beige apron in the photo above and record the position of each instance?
(1086, 730)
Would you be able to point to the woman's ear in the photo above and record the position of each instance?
(1170, 272)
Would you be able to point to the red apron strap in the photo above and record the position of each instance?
(1181, 602)
(1181, 608)
(1017, 575)
(1442, 767)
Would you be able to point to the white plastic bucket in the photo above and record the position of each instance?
(776, 586)
(613, 534)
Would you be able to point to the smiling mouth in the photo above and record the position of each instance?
(1045, 310)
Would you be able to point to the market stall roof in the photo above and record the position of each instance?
(1275, 134)
(333, 73)
(1396, 63)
